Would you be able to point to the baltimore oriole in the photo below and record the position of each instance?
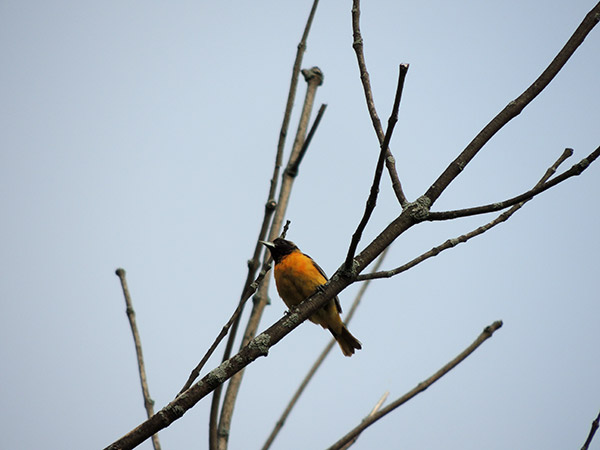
(298, 277)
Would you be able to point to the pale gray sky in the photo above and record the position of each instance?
(142, 135)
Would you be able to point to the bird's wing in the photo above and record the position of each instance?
(322, 272)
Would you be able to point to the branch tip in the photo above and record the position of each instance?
(313, 75)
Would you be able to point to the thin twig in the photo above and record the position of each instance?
(592, 432)
(357, 44)
(574, 171)
(314, 78)
(376, 408)
(148, 402)
(288, 409)
(292, 170)
(514, 107)
(372, 199)
(422, 386)
(450, 243)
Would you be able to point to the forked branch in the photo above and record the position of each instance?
(575, 170)
(450, 243)
(514, 107)
(372, 199)
(357, 44)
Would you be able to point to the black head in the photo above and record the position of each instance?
(280, 248)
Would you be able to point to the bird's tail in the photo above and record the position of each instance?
(346, 341)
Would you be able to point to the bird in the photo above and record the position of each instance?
(297, 277)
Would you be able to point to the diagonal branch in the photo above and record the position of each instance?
(515, 107)
(450, 243)
(422, 386)
(372, 200)
(148, 402)
(292, 169)
(364, 77)
(592, 432)
(574, 171)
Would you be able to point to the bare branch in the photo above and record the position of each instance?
(514, 107)
(372, 199)
(485, 335)
(575, 170)
(148, 402)
(292, 92)
(292, 170)
(288, 409)
(364, 77)
(592, 432)
(419, 210)
(450, 243)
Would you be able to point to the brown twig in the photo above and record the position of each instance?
(148, 402)
(422, 386)
(372, 199)
(292, 170)
(357, 45)
(314, 78)
(574, 171)
(514, 107)
(450, 243)
(288, 409)
(592, 432)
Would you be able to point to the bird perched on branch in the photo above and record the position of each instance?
(298, 277)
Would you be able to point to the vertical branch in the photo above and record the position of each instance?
(148, 402)
(314, 78)
(269, 210)
(372, 200)
(390, 162)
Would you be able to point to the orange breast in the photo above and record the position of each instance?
(297, 278)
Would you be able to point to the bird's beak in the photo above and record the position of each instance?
(267, 244)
